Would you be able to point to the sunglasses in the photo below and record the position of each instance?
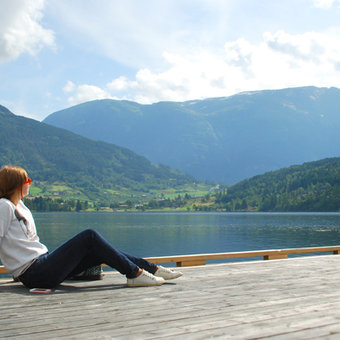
(29, 181)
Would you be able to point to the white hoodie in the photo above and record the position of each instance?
(19, 242)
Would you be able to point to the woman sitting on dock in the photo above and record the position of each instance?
(29, 260)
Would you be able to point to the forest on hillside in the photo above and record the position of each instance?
(312, 186)
(63, 163)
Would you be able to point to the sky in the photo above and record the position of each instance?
(58, 53)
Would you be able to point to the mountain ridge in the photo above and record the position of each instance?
(223, 139)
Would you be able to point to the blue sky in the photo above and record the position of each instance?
(57, 53)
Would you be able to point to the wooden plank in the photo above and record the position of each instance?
(190, 263)
(275, 256)
(266, 254)
(285, 299)
(3, 270)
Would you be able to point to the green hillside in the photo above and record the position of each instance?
(63, 164)
(313, 186)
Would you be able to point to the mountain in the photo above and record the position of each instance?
(312, 186)
(220, 139)
(98, 170)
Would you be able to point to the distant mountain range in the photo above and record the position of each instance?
(220, 139)
(96, 169)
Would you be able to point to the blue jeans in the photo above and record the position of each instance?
(83, 251)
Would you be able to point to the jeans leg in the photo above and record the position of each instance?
(142, 263)
(86, 249)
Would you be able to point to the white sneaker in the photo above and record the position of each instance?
(167, 273)
(145, 279)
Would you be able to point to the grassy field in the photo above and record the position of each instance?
(182, 199)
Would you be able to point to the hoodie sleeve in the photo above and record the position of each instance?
(5, 218)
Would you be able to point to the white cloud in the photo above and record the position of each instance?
(119, 84)
(306, 46)
(83, 93)
(20, 28)
(135, 33)
(325, 4)
(279, 60)
(69, 87)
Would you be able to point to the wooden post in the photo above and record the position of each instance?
(275, 256)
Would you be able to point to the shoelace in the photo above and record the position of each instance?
(149, 275)
(165, 270)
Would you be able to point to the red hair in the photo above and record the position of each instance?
(11, 178)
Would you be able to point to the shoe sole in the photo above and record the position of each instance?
(173, 277)
(144, 285)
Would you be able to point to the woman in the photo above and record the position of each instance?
(28, 260)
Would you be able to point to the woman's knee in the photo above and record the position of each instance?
(89, 232)
(91, 235)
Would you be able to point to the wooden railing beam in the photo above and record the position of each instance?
(200, 259)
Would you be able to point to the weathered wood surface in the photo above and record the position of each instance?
(296, 298)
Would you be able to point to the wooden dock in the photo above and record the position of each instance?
(294, 298)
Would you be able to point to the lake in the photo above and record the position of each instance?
(160, 234)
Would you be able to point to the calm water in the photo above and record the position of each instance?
(157, 234)
(160, 234)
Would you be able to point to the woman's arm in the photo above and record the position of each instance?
(6, 215)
